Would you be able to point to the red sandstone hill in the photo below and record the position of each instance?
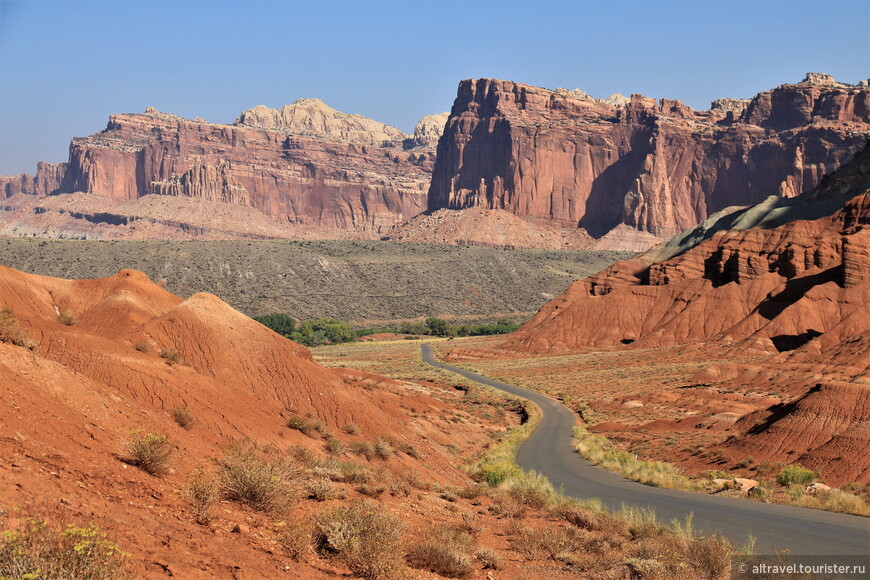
(573, 161)
(799, 291)
(69, 404)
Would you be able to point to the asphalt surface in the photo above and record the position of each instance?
(775, 527)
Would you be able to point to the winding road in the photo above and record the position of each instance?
(775, 527)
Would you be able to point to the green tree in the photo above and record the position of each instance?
(437, 326)
(281, 323)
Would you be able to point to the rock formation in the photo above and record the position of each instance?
(304, 164)
(764, 282)
(790, 282)
(656, 166)
(48, 179)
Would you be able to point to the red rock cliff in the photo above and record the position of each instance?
(786, 284)
(47, 180)
(661, 167)
(305, 163)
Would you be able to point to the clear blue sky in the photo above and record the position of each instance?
(66, 66)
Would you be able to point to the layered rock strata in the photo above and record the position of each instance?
(304, 164)
(656, 166)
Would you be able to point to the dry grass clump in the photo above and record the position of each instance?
(67, 317)
(364, 448)
(364, 536)
(445, 550)
(148, 451)
(555, 542)
(351, 428)
(531, 489)
(334, 446)
(267, 485)
(143, 346)
(294, 537)
(12, 332)
(183, 417)
(33, 550)
(171, 355)
(490, 559)
(201, 493)
(323, 490)
(383, 448)
(310, 426)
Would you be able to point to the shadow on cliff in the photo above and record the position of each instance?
(604, 206)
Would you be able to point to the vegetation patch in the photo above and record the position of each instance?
(35, 550)
(12, 332)
(265, 484)
(602, 452)
(445, 550)
(149, 452)
(364, 536)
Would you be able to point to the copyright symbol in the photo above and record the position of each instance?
(743, 568)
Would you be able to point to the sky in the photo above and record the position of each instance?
(65, 66)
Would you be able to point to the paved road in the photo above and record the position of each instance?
(549, 451)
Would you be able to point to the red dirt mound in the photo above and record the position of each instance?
(119, 354)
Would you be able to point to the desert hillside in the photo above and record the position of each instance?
(360, 282)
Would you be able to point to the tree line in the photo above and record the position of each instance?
(322, 330)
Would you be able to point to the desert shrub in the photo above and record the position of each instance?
(183, 417)
(555, 542)
(302, 425)
(248, 478)
(33, 550)
(364, 448)
(382, 448)
(472, 491)
(67, 317)
(710, 557)
(411, 451)
(334, 446)
(444, 550)
(350, 472)
(351, 428)
(201, 493)
(148, 451)
(531, 489)
(371, 489)
(364, 536)
(302, 455)
(489, 558)
(323, 490)
(579, 515)
(294, 537)
(172, 355)
(494, 473)
(12, 332)
(143, 346)
(795, 475)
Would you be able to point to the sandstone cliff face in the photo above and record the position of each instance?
(48, 179)
(304, 164)
(659, 167)
(786, 284)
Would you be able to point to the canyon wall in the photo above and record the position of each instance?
(305, 164)
(48, 179)
(570, 160)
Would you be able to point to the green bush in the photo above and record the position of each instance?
(280, 322)
(795, 474)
